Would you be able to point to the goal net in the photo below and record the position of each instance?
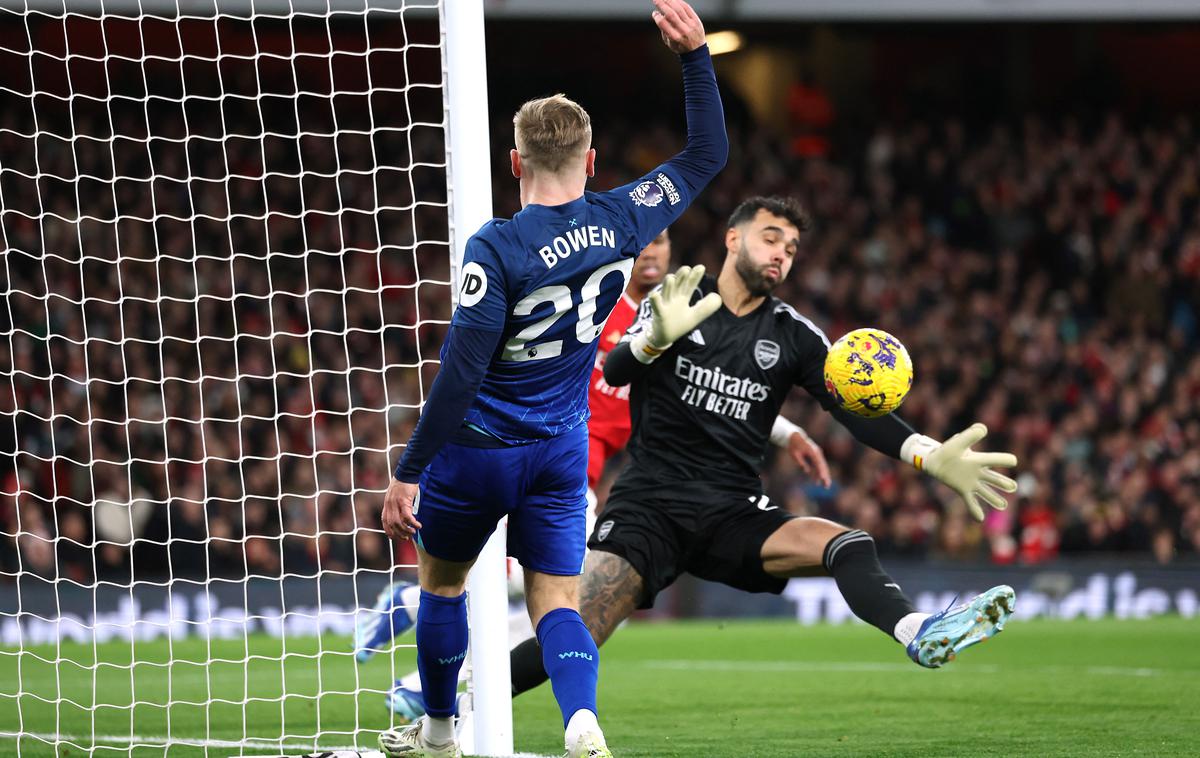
(226, 276)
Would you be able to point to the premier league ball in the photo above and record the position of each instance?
(868, 372)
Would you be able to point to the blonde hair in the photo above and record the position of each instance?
(550, 131)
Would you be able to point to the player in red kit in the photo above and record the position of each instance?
(608, 429)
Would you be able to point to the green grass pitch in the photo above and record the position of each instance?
(702, 688)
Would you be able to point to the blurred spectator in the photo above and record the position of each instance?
(1043, 278)
(811, 116)
(240, 317)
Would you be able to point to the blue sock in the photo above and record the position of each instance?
(441, 648)
(570, 657)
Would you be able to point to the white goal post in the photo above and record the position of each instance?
(230, 233)
(469, 182)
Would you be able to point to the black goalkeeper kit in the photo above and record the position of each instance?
(691, 499)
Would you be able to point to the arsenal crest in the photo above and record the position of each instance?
(766, 354)
(603, 531)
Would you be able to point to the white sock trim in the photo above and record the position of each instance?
(582, 722)
(410, 597)
(439, 731)
(411, 681)
(907, 627)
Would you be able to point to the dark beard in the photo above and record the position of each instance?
(752, 276)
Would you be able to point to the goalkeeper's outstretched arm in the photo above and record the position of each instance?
(886, 434)
(953, 462)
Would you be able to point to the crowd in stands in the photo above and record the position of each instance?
(247, 383)
(1045, 277)
(228, 330)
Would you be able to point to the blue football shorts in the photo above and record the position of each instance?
(541, 487)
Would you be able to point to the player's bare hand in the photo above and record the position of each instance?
(681, 29)
(809, 457)
(398, 520)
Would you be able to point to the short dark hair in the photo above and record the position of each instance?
(784, 207)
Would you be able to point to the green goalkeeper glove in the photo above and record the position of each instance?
(671, 313)
(965, 471)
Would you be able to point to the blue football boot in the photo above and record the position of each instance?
(405, 703)
(946, 633)
(375, 629)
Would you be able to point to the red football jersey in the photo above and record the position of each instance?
(609, 427)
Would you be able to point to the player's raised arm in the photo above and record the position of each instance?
(651, 203)
(707, 146)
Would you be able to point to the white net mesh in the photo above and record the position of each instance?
(225, 279)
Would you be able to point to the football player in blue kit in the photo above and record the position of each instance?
(503, 431)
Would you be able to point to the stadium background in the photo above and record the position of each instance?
(1019, 202)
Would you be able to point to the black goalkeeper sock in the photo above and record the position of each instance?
(525, 661)
(850, 558)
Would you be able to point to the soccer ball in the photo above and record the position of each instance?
(868, 372)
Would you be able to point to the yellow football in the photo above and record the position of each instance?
(868, 372)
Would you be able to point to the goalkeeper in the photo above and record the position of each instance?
(710, 363)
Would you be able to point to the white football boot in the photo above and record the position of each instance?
(411, 742)
(589, 745)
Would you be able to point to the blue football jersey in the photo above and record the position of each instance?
(547, 280)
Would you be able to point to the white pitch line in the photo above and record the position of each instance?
(850, 666)
(717, 665)
(249, 744)
(134, 739)
(333, 753)
(377, 754)
(1119, 671)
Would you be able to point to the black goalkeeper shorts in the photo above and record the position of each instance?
(691, 528)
